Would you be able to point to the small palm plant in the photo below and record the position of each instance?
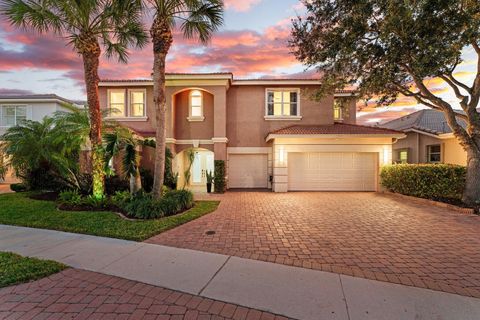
(122, 141)
(87, 25)
(198, 19)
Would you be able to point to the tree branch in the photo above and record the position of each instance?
(463, 99)
(475, 90)
(441, 104)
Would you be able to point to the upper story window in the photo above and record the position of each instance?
(116, 103)
(434, 153)
(12, 115)
(282, 103)
(137, 103)
(337, 111)
(196, 106)
(122, 107)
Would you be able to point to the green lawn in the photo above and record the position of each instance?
(19, 210)
(16, 269)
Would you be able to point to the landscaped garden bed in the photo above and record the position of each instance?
(15, 269)
(20, 210)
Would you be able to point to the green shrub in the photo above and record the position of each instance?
(219, 181)
(144, 206)
(120, 198)
(96, 203)
(431, 181)
(70, 197)
(18, 187)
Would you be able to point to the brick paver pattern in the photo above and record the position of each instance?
(78, 294)
(367, 235)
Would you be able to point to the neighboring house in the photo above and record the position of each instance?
(270, 132)
(17, 108)
(429, 139)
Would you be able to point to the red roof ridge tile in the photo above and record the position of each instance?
(334, 128)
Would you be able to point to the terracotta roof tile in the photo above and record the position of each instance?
(336, 128)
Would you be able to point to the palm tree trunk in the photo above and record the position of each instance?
(162, 40)
(91, 54)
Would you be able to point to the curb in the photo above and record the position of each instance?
(452, 207)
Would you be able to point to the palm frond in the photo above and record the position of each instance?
(40, 16)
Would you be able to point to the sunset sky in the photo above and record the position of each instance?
(251, 44)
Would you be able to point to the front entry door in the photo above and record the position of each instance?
(202, 163)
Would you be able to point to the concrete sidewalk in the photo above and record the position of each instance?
(294, 292)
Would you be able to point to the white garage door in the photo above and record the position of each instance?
(332, 171)
(247, 171)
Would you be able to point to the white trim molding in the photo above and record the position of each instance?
(191, 141)
(249, 150)
(220, 140)
(248, 82)
(196, 119)
(333, 136)
(282, 118)
(131, 119)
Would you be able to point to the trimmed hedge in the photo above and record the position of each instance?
(219, 180)
(430, 181)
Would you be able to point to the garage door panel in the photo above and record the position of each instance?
(248, 171)
(319, 171)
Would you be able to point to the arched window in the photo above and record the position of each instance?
(196, 106)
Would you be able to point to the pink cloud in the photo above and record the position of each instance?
(240, 5)
(246, 53)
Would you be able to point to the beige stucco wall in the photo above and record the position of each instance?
(454, 152)
(417, 143)
(246, 126)
(381, 146)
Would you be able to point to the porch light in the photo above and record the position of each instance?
(385, 156)
(281, 156)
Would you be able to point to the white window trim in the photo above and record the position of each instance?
(112, 115)
(282, 117)
(126, 95)
(429, 153)
(195, 118)
(27, 117)
(144, 91)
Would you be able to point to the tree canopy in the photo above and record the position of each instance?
(390, 47)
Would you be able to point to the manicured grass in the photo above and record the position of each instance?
(19, 210)
(16, 269)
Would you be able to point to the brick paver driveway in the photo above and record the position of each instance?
(78, 294)
(362, 234)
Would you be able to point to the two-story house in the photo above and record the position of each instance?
(271, 133)
(17, 108)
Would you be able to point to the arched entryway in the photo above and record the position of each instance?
(192, 165)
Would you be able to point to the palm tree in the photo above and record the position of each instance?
(198, 19)
(122, 141)
(39, 149)
(88, 25)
